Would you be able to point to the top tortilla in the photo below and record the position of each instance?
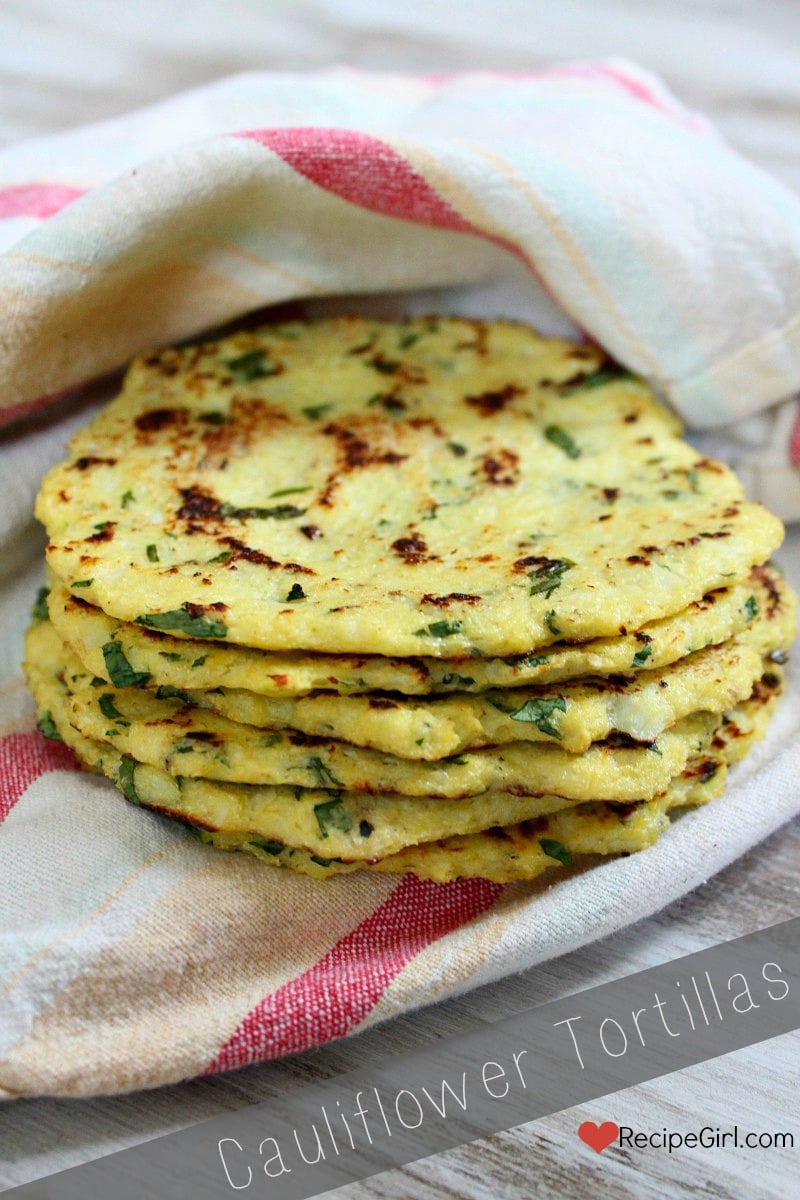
(438, 486)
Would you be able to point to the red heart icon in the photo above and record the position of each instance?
(598, 1136)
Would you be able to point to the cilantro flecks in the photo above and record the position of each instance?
(539, 712)
(278, 512)
(46, 725)
(126, 776)
(127, 498)
(165, 691)
(324, 777)
(332, 814)
(152, 552)
(120, 671)
(548, 575)
(181, 619)
(641, 656)
(556, 850)
(597, 379)
(81, 583)
(551, 622)
(250, 366)
(439, 629)
(290, 491)
(110, 710)
(559, 437)
(268, 845)
(315, 411)
(750, 608)
(39, 612)
(453, 679)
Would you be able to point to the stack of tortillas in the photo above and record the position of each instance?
(438, 596)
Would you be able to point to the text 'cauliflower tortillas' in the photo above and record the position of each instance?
(436, 486)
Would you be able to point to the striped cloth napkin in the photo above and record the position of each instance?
(584, 197)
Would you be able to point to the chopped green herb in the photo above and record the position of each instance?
(384, 366)
(654, 748)
(559, 437)
(103, 525)
(182, 619)
(127, 498)
(453, 679)
(533, 660)
(694, 480)
(557, 850)
(539, 712)
(750, 608)
(120, 671)
(169, 656)
(39, 611)
(315, 411)
(325, 779)
(408, 339)
(419, 741)
(641, 656)
(250, 366)
(82, 583)
(184, 746)
(166, 692)
(278, 512)
(597, 379)
(289, 491)
(112, 732)
(267, 845)
(213, 417)
(439, 629)
(323, 862)
(548, 576)
(295, 593)
(457, 449)
(126, 778)
(224, 557)
(46, 725)
(551, 622)
(272, 739)
(152, 552)
(96, 681)
(109, 709)
(333, 815)
(457, 761)
(198, 662)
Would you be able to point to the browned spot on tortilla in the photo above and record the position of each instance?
(157, 419)
(489, 403)
(259, 558)
(103, 535)
(382, 702)
(413, 549)
(82, 464)
(451, 598)
(501, 468)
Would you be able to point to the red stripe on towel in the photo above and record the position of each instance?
(37, 199)
(23, 758)
(335, 995)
